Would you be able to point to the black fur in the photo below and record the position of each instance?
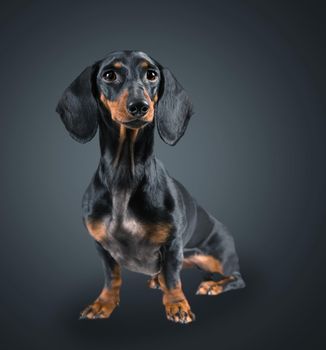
(174, 109)
(78, 107)
(120, 196)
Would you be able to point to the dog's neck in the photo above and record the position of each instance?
(125, 155)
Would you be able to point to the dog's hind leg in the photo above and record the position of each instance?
(216, 256)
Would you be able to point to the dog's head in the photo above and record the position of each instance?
(128, 88)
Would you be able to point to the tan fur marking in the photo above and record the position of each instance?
(144, 64)
(134, 134)
(97, 230)
(122, 137)
(176, 305)
(209, 288)
(117, 65)
(155, 233)
(118, 108)
(116, 281)
(204, 262)
(108, 299)
(213, 287)
(158, 233)
(153, 282)
(150, 113)
(171, 295)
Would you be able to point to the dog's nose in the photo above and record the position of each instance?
(138, 108)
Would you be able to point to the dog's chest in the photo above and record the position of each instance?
(131, 240)
(134, 244)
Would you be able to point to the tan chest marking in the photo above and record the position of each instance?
(158, 233)
(97, 230)
(154, 233)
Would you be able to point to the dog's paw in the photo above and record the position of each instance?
(210, 288)
(99, 309)
(153, 283)
(179, 312)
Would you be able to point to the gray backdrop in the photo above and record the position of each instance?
(253, 156)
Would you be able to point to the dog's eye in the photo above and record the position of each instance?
(109, 76)
(151, 75)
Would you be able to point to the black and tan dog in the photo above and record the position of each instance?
(140, 217)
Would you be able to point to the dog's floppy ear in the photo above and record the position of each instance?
(78, 107)
(173, 109)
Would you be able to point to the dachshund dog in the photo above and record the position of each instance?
(141, 218)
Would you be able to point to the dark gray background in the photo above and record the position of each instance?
(254, 156)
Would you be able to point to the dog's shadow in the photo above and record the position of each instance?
(140, 316)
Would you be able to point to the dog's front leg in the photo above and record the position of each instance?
(109, 298)
(176, 305)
